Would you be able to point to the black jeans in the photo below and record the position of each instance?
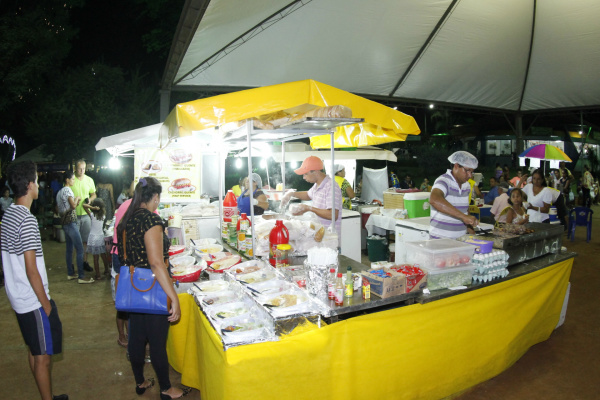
(153, 329)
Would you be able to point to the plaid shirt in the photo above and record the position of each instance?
(321, 198)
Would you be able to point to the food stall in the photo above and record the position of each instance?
(236, 339)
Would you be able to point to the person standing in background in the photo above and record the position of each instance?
(345, 187)
(104, 191)
(84, 188)
(27, 280)
(586, 186)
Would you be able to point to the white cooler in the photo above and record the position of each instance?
(410, 230)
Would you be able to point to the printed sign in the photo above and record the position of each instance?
(177, 169)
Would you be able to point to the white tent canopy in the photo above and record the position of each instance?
(513, 55)
(124, 142)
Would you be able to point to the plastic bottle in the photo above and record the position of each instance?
(229, 206)
(331, 285)
(339, 290)
(279, 235)
(243, 223)
(349, 291)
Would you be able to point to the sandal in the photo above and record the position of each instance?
(98, 277)
(185, 391)
(122, 344)
(141, 390)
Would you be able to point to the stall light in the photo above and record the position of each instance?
(263, 163)
(294, 164)
(238, 163)
(431, 105)
(114, 163)
(581, 132)
(395, 108)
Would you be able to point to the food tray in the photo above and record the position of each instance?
(210, 287)
(449, 277)
(439, 253)
(217, 298)
(228, 310)
(270, 287)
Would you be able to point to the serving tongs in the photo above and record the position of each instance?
(480, 231)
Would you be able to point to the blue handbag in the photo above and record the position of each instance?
(137, 290)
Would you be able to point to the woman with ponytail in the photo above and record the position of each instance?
(147, 247)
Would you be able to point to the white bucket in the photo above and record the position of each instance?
(175, 220)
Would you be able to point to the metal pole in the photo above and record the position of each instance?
(221, 186)
(333, 182)
(283, 166)
(249, 128)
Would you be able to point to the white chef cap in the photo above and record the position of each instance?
(464, 158)
(257, 179)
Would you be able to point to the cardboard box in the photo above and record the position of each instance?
(386, 287)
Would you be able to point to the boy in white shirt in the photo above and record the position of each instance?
(26, 281)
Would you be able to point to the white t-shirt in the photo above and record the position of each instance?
(544, 196)
(62, 199)
(20, 233)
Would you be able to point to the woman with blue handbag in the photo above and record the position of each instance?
(143, 244)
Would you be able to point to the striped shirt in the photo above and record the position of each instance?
(443, 225)
(20, 233)
(321, 198)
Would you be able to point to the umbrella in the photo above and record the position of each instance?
(545, 152)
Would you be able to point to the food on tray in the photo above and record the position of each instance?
(180, 156)
(225, 263)
(231, 313)
(210, 249)
(257, 278)
(246, 270)
(284, 300)
(212, 286)
(225, 297)
(508, 229)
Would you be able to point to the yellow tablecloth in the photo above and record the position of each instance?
(420, 351)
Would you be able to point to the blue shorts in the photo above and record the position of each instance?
(42, 333)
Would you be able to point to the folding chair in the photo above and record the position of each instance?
(580, 216)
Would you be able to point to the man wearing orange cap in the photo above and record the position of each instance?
(320, 194)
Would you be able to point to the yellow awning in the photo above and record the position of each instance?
(381, 124)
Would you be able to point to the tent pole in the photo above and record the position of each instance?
(283, 166)
(249, 130)
(519, 132)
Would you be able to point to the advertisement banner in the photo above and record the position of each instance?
(177, 169)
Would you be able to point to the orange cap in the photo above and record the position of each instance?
(312, 163)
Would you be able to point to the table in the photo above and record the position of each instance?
(446, 343)
(379, 224)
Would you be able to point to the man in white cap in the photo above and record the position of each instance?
(450, 198)
(320, 194)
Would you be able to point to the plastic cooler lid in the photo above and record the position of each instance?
(441, 245)
(438, 271)
(417, 196)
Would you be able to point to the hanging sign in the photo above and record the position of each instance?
(177, 169)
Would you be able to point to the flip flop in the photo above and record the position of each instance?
(98, 278)
(122, 344)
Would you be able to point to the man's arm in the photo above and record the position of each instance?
(442, 205)
(321, 212)
(35, 280)
(301, 195)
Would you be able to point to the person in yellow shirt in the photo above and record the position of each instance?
(347, 191)
(237, 189)
(84, 188)
(474, 189)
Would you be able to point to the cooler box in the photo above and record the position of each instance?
(417, 204)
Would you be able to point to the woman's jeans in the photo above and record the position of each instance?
(73, 238)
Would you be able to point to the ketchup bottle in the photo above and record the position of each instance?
(279, 235)
(229, 206)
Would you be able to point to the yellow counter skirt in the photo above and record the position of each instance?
(415, 352)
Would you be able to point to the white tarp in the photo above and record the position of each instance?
(504, 54)
(374, 183)
(126, 141)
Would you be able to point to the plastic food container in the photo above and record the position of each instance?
(226, 296)
(209, 249)
(176, 249)
(212, 286)
(248, 267)
(449, 277)
(439, 253)
(271, 287)
(229, 310)
(261, 275)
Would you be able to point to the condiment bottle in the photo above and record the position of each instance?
(331, 285)
(349, 292)
(339, 290)
(279, 235)
(243, 223)
(281, 255)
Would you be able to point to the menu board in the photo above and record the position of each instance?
(177, 169)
